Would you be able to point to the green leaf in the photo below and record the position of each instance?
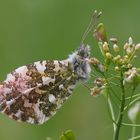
(67, 135)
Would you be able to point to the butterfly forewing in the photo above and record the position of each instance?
(33, 93)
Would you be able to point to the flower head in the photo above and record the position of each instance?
(95, 91)
(130, 75)
(137, 47)
(99, 82)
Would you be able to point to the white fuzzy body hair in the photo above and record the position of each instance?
(80, 65)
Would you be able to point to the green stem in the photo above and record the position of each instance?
(132, 102)
(110, 106)
(120, 116)
(112, 113)
(132, 125)
(133, 132)
(134, 96)
(135, 138)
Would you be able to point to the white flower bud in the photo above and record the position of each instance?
(105, 47)
(130, 41)
(130, 75)
(116, 48)
(108, 55)
(126, 45)
(99, 82)
(129, 66)
(116, 68)
(129, 50)
(95, 91)
(133, 112)
(101, 67)
(117, 58)
(137, 47)
(114, 40)
(94, 61)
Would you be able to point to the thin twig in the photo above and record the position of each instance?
(134, 96)
(133, 102)
(112, 113)
(134, 138)
(133, 90)
(114, 101)
(120, 116)
(86, 86)
(129, 124)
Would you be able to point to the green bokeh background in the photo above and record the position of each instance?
(32, 30)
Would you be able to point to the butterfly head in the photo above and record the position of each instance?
(84, 51)
(78, 60)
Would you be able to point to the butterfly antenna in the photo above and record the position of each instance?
(93, 22)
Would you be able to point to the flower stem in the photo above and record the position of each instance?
(112, 113)
(133, 131)
(136, 99)
(120, 116)
(132, 125)
(134, 138)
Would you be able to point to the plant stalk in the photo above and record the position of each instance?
(133, 131)
(112, 113)
(120, 116)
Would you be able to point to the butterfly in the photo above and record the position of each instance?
(34, 93)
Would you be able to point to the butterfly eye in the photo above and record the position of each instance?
(84, 51)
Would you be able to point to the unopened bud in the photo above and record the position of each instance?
(117, 58)
(130, 41)
(105, 47)
(96, 64)
(101, 67)
(114, 40)
(126, 45)
(108, 55)
(129, 50)
(94, 61)
(95, 91)
(126, 57)
(120, 61)
(137, 47)
(130, 75)
(135, 56)
(100, 33)
(116, 48)
(129, 66)
(99, 82)
(116, 68)
(134, 111)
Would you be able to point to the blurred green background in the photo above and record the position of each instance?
(32, 30)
